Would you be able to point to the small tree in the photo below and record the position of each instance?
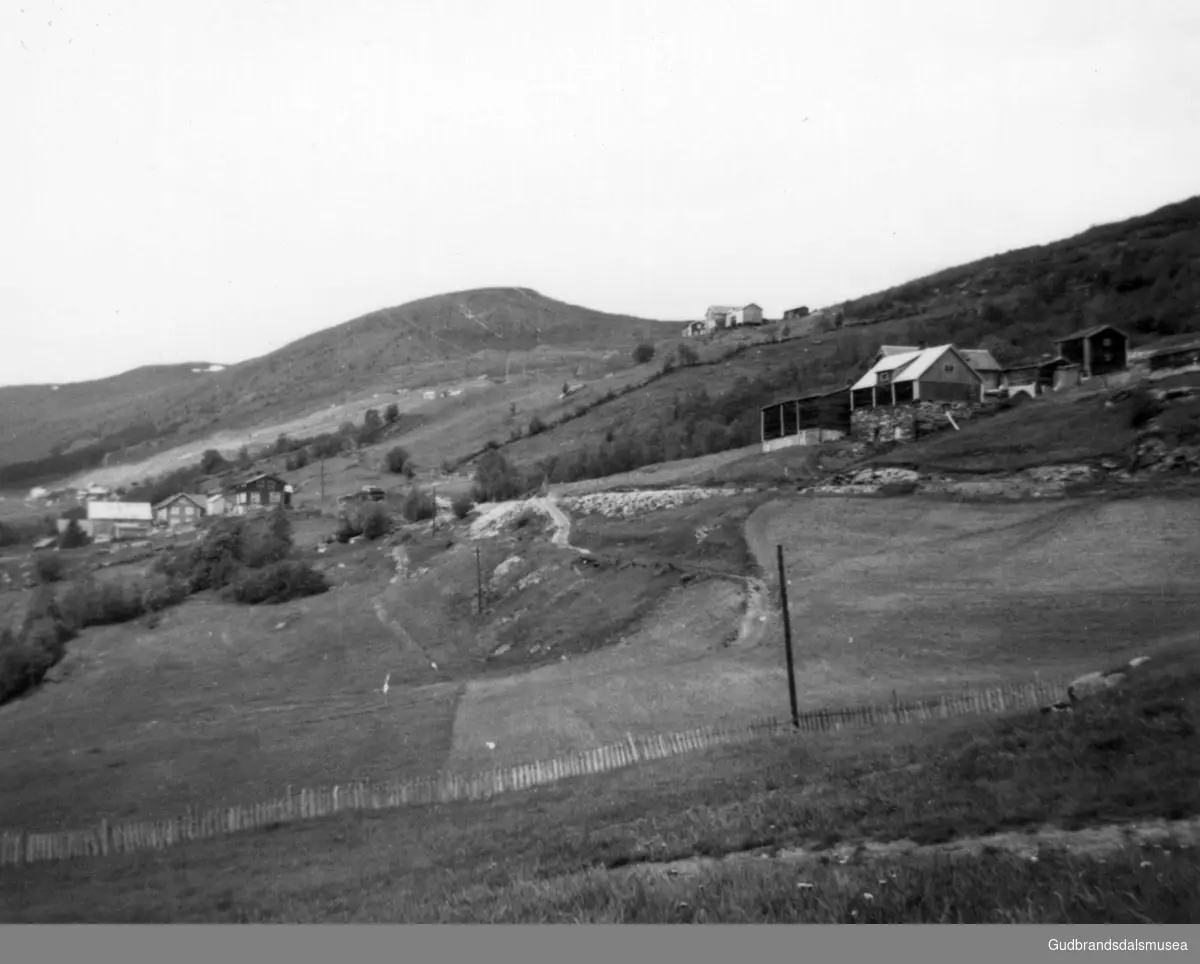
(376, 522)
(48, 568)
(372, 425)
(419, 505)
(391, 413)
(566, 389)
(397, 459)
(73, 536)
(462, 506)
(643, 353)
(211, 462)
(495, 478)
(243, 457)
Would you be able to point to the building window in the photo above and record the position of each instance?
(885, 377)
(948, 368)
(1106, 342)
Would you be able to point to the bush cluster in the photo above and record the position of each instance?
(371, 520)
(277, 583)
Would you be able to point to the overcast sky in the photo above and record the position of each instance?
(208, 181)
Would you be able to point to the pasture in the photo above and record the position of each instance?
(911, 596)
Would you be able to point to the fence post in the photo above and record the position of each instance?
(632, 747)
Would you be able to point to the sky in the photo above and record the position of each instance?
(210, 181)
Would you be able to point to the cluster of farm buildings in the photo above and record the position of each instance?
(723, 317)
(906, 390)
(909, 389)
(109, 519)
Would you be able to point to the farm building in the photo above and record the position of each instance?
(1033, 377)
(716, 316)
(939, 374)
(985, 366)
(750, 314)
(117, 520)
(1170, 355)
(1100, 350)
(693, 328)
(805, 420)
(731, 316)
(905, 386)
(181, 509)
(262, 491)
(794, 314)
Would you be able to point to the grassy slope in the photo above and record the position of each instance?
(561, 853)
(450, 336)
(1078, 427)
(1142, 274)
(900, 594)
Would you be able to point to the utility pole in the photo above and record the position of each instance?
(787, 639)
(479, 579)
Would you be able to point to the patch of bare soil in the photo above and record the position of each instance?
(1091, 841)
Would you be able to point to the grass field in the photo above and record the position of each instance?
(218, 704)
(592, 850)
(906, 596)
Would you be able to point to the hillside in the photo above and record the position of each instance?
(1142, 274)
(49, 432)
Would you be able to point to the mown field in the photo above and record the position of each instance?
(593, 849)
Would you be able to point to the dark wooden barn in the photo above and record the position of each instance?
(1100, 350)
(806, 419)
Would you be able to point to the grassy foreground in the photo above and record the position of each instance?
(571, 852)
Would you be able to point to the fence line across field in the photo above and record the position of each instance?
(23, 847)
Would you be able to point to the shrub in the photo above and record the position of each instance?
(391, 413)
(687, 356)
(161, 592)
(48, 568)
(419, 505)
(643, 353)
(277, 583)
(397, 459)
(264, 541)
(461, 505)
(26, 658)
(496, 479)
(376, 522)
(90, 602)
(348, 528)
(212, 562)
(73, 536)
(536, 426)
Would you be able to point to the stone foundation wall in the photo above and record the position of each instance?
(896, 423)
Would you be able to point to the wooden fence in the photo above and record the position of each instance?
(22, 847)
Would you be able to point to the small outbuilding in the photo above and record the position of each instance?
(1100, 350)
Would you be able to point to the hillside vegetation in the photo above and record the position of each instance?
(1142, 275)
(49, 433)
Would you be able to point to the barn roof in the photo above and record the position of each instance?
(1088, 332)
(808, 397)
(197, 500)
(120, 511)
(908, 366)
(981, 360)
(238, 483)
